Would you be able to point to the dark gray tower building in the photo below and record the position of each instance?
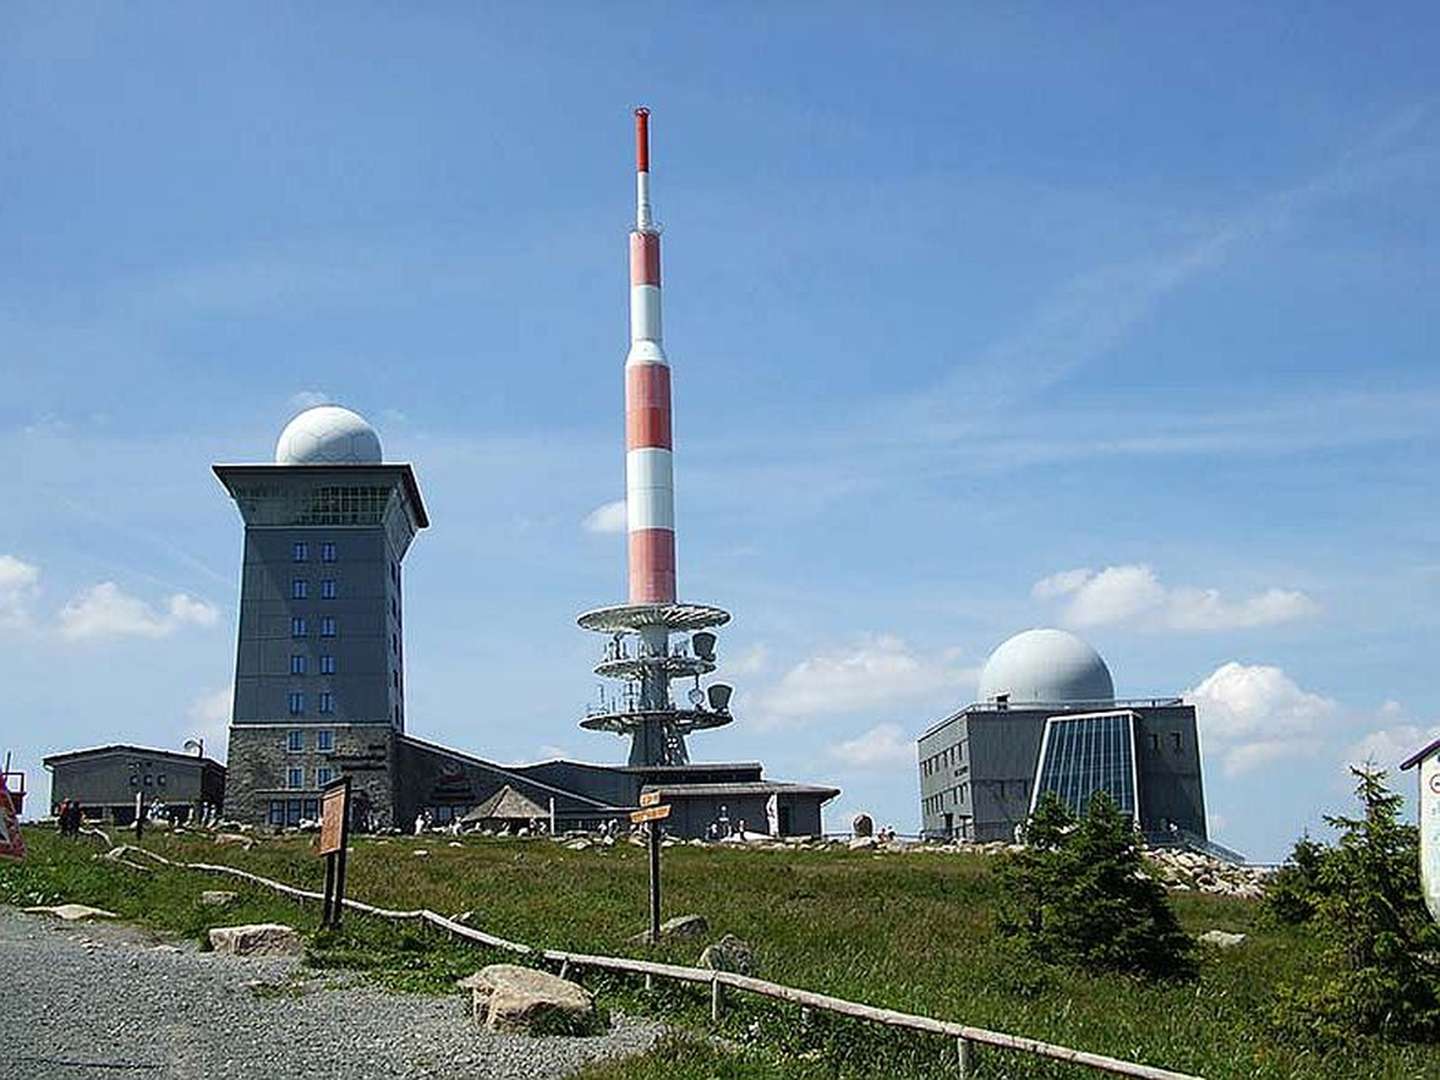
(319, 672)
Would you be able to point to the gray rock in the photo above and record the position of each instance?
(863, 825)
(1221, 939)
(226, 839)
(580, 844)
(681, 926)
(216, 898)
(859, 843)
(731, 954)
(257, 939)
(511, 998)
(72, 912)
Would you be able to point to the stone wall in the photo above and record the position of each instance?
(260, 761)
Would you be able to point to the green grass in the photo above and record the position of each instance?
(912, 932)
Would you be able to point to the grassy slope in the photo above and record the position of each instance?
(912, 932)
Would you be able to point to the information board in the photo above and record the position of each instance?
(333, 807)
(1430, 833)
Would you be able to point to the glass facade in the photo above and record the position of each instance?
(1081, 755)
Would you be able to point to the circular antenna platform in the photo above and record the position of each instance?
(681, 721)
(631, 667)
(631, 618)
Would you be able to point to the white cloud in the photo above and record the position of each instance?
(308, 399)
(875, 673)
(608, 518)
(105, 611)
(1253, 714)
(19, 582)
(751, 661)
(883, 746)
(209, 716)
(1388, 746)
(1135, 594)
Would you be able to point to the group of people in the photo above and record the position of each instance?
(70, 817)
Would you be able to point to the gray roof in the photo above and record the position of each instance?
(758, 787)
(129, 748)
(507, 804)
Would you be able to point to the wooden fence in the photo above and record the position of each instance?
(965, 1037)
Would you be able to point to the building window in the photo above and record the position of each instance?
(395, 678)
(327, 701)
(297, 627)
(160, 779)
(149, 780)
(322, 776)
(295, 741)
(299, 552)
(312, 809)
(327, 552)
(324, 740)
(1175, 738)
(327, 626)
(296, 778)
(298, 588)
(327, 665)
(297, 664)
(327, 589)
(397, 714)
(395, 644)
(297, 703)
(277, 812)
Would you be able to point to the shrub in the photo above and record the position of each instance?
(1381, 974)
(1080, 895)
(1293, 893)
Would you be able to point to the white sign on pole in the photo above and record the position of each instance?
(1430, 833)
(772, 814)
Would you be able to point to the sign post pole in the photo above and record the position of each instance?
(651, 814)
(334, 842)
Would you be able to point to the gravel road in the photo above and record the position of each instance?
(89, 1000)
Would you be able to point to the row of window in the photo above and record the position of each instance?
(325, 702)
(958, 795)
(300, 589)
(951, 755)
(1176, 742)
(300, 626)
(295, 777)
(293, 811)
(300, 664)
(300, 551)
(150, 780)
(295, 741)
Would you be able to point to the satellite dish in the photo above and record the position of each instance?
(704, 644)
(697, 697)
(720, 696)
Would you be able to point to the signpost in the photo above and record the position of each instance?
(12, 844)
(334, 839)
(652, 814)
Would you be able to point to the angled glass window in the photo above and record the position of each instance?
(1081, 755)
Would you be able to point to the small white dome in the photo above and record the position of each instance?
(1049, 666)
(328, 435)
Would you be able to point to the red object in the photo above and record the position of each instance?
(652, 566)
(644, 259)
(17, 791)
(12, 843)
(647, 407)
(642, 139)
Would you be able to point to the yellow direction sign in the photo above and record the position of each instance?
(650, 798)
(650, 813)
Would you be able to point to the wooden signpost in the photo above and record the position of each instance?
(334, 839)
(651, 814)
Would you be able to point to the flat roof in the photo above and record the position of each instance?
(402, 469)
(127, 748)
(755, 787)
(1055, 707)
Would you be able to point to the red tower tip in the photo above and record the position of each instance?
(642, 139)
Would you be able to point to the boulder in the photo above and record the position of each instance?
(216, 898)
(1222, 940)
(258, 939)
(731, 954)
(579, 844)
(511, 998)
(225, 839)
(681, 926)
(859, 843)
(73, 912)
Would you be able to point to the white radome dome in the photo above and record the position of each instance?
(1046, 666)
(328, 435)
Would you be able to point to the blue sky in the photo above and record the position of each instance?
(980, 320)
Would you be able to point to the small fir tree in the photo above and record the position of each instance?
(1293, 894)
(1382, 970)
(1080, 895)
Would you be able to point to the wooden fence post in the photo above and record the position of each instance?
(966, 1061)
(715, 1000)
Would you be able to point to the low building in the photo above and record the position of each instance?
(1048, 720)
(107, 779)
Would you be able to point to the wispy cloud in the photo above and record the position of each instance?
(609, 517)
(105, 611)
(209, 720)
(1134, 594)
(19, 584)
(884, 746)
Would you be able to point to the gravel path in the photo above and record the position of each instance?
(100, 1000)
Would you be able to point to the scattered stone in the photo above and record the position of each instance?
(225, 839)
(511, 998)
(580, 844)
(73, 912)
(731, 954)
(258, 939)
(420, 853)
(681, 926)
(1221, 939)
(216, 898)
(860, 843)
(455, 843)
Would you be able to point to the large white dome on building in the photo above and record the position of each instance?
(328, 435)
(1049, 666)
